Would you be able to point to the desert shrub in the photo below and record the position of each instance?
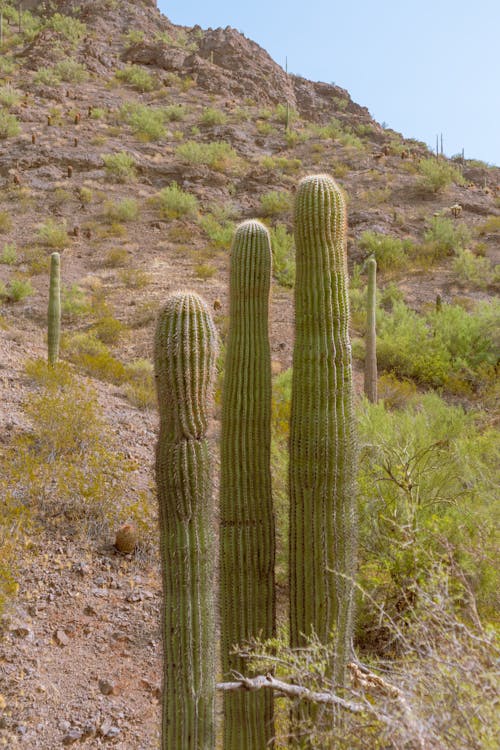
(9, 125)
(9, 96)
(283, 249)
(174, 112)
(46, 77)
(137, 78)
(283, 114)
(213, 116)
(68, 27)
(446, 235)
(74, 303)
(69, 464)
(436, 175)
(16, 290)
(93, 356)
(8, 254)
(71, 71)
(53, 235)
(391, 253)
(174, 203)
(133, 36)
(219, 231)
(86, 195)
(146, 122)
(490, 226)
(275, 203)
(474, 270)
(125, 210)
(5, 222)
(108, 329)
(204, 271)
(117, 257)
(120, 167)
(134, 278)
(140, 388)
(219, 155)
(282, 164)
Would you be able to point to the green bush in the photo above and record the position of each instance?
(283, 256)
(46, 77)
(16, 290)
(8, 254)
(5, 222)
(275, 203)
(220, 233)
(174, 113)
(474, 270)
(436, 175)
(391, 253)
(69, 28)
(9, 96)
(447, 236)
(174, 203)
(212, 116)
(9, 125)
(146, 122)
(71, 71)
(120, 167)
(219, 155)
(74, 303)
(125, 210)
(137, 77)
(53, 235)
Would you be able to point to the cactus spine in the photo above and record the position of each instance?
(185, 352)
(247, 541)
(370, 385)
(322, 447)
(54, 311)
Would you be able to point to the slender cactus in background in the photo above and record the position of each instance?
(322, 447)
(247, 532)
(54, 311)
(370, 385)
(184, 358)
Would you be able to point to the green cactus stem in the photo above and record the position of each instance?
(184, 358)
(322, 446)
(54, 311)
(247, 533)
(370, 383)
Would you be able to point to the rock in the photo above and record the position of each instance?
(61, 638)
(72, 736)
(109, 730)
(107, 688)
(21, 630)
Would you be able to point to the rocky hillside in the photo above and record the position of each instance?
(133, 146)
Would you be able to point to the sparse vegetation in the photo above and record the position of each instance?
(219, 155)
(275, 203)
(53, 235)
(436, 175)
(120, 167)
(137, 77)
(9, 125)
(125, 210)
(174, 203)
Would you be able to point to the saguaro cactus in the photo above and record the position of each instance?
(322, 447)
(247, 534)
(54, 311)
(185, 352)
(370, 384)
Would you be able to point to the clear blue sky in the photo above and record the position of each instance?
(423, 68)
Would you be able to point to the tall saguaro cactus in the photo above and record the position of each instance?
(247, 535)
(322, 446)
(185, 352)
(54, 311)
(370, 384)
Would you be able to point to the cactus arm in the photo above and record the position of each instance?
(322, 446)
(247, 544)
(185, 351)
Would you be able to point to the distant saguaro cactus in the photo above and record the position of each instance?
(184, 357)
(247, 533)
(370, 383)
(54, 311)
(322, 446)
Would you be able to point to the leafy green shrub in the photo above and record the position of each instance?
(5, 222)
(53, 235)
(391, 253)
(219, 155)
(134, 278)
(174, 203)
(146, 122)
(490, 226)
(68, 27)
(212, 116)
(8, 254)
(117, 257)
(220, 233)
(125, 210)
(16, 290)
(71, 71)
(46, 77)
(474, 270)
(132, 37)
(137, 77)
(436, 175)
(93, 356)
(205, 270)
(447, 236)
(282, 164)
(275, 203)
(120, 167)
(109, 330)
(140, 388)
(9, 96)
(74, 303)
(174, 112)
(283, 250)
(85, 195)
(9, 125)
